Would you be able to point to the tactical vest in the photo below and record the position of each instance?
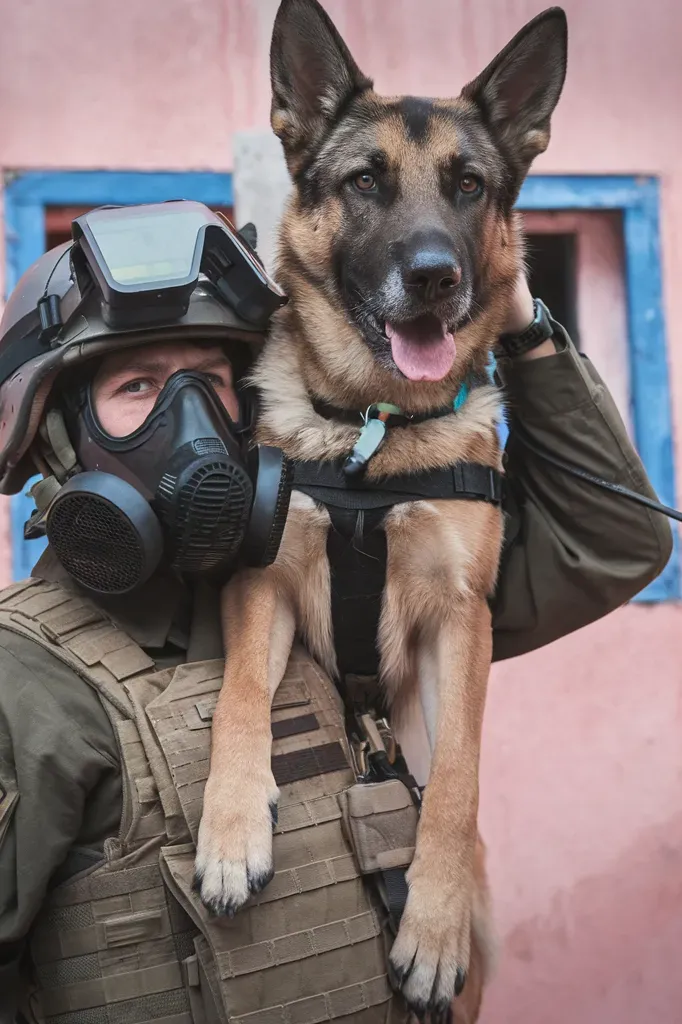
(128, 941)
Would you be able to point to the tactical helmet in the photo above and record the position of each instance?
(86, 298)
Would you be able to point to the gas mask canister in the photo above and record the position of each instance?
(185, 487)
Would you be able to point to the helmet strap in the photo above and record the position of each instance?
(56, 459)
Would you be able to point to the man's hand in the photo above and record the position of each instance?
(520, 316)
(521, 312)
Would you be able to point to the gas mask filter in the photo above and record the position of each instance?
(184, 487)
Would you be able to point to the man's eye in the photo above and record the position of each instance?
(137, 387)
(215, 380)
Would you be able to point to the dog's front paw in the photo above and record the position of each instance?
(430, 955)
(234, 848)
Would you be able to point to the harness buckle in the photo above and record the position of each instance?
(364, 745)
(375, 749)
(368, 741)
(359, 755)
(495, 482)
(376, 756)
(389, 741)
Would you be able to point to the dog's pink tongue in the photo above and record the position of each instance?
(422, 349)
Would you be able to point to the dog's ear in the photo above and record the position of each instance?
(518, 91)
(249, 234)
(313, 75)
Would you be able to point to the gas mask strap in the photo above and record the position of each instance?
(44, 492)
(56, 459)
(55, 448)
(60, 443)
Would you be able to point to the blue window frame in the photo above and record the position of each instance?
(27, 195)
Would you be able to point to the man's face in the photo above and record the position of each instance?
(128, 383)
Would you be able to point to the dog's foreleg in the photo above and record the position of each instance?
(234, 850)
(415, 731)
(431, 953)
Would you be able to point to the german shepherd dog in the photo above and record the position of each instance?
(400, 251)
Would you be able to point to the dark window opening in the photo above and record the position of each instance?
(552, 276)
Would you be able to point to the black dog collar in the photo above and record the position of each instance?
(378, 417)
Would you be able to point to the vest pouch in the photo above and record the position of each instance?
(273, 964)
(381, 822)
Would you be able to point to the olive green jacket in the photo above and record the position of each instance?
(576, 553)
(579, 552)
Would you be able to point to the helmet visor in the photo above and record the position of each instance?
(139, 249)
(146, 262)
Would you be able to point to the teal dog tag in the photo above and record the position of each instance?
(371, 437)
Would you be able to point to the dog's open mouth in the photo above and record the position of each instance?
(422, 349)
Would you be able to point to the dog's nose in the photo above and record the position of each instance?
(434, 274)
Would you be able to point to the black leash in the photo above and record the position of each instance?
(606, 485)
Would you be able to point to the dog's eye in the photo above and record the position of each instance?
(470, 184)
(365, 182)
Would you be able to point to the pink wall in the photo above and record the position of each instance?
(582, 766)
(582, 813)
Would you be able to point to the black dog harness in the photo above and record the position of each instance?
(356, 543)
(357, 553)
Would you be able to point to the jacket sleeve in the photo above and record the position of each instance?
(576, 552)
(60, 788)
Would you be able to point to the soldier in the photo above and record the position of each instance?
(122, 364)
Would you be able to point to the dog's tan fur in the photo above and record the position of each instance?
(442, 555)
(441, 568)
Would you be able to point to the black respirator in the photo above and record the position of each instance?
(186, 486)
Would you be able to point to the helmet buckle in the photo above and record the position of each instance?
(50, 317)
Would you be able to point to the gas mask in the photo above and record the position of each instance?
(184, 488)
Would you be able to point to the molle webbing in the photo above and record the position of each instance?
(312, 945)
(128, 942)
(78, 633)
(306, 715)
(109, 942)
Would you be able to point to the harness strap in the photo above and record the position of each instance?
(395, 892)
(326, 483)
(356, 548)
(356, 544)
